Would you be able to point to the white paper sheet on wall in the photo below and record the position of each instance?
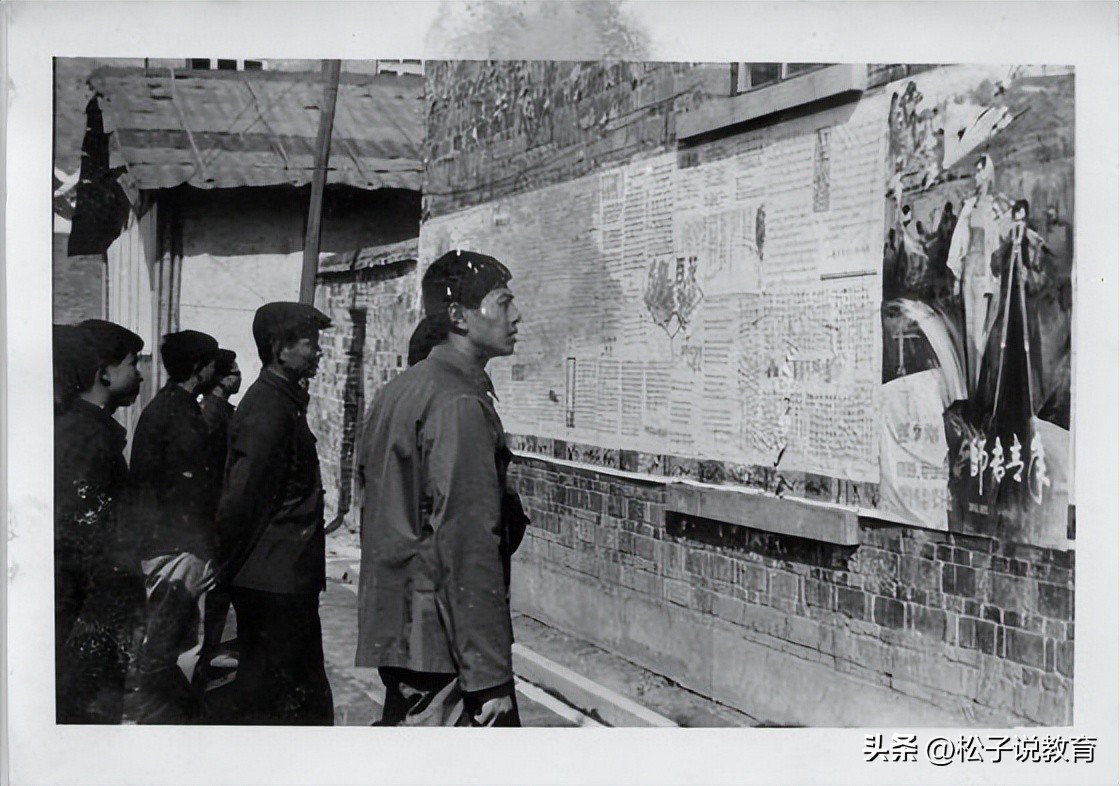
(700, 305)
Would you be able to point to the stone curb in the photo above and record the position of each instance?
(589, 697)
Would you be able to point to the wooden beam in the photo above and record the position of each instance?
(331, 71)
(723, 112)
(757, 510)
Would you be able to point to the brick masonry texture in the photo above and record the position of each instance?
(496, 129)
(373, 312)
(976, 630)
(891, 612)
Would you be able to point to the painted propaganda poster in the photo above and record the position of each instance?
(977, 302)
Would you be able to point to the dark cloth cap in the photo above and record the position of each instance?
(463, 277)
(431, 331)
(188, 348)
(111, 342)
(75, 361)
(224, 363)
(278, 319)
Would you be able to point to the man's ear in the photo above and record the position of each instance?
(277, 345)
(457, 315)
(103, 376)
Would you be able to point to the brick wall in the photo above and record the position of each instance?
(495, 129)
(373, 311)
(77, 285)
(584, 255)
(911, 626)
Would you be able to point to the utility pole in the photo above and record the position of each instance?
(331, 71)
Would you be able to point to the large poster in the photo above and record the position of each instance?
(722, 309)
(977, 301)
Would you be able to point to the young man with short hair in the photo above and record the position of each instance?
(438, 526)
(176, 491)
(216, 412)
(99, 591)
(215, 404)
(271, 529)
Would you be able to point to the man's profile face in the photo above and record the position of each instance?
(302, 357)
(124, 380)
(231, 382)
(492, 327)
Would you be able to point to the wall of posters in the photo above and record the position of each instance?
(724, 311)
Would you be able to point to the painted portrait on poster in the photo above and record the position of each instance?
(977, 302)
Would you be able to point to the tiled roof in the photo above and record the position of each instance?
(372, 256)
(223, 129)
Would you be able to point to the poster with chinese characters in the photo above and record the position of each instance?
(977, 301)
(722, 310)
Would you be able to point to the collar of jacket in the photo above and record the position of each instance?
(218, 401)
(447, 355)
(175, 390)
(275, 379)
(102, 415)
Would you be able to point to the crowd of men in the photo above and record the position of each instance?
(219, 506)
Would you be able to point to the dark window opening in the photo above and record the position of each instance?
(254, 65)
(199, 63)
(793, 69)
(227, 65)
(751, 76)
(759, 74)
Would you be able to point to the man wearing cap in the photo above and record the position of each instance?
(215, 405)
(270, 528)
(216, 412)
(99, 591)
(176, 491)
(433, 607)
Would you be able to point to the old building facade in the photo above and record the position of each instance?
(759, 458)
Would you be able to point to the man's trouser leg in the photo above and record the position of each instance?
(175, 591)
(216, 611)
(418, 698)
(69, 594)
(281, 677)
(100, 649)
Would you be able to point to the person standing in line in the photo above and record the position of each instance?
(175, 499)
(216, 412)
(438, 527)
(271, 530)
(215, 405)
(99, 591)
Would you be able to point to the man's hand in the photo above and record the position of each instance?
(494, 711)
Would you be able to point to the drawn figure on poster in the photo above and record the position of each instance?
(926, 141)
(977, 297)
(671, 298)
(1017, 265)
(974, 241)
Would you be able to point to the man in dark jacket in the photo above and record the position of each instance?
(99, 592)
(215, 405)
(434, 585)
(175, 497)
(216, 412)
(270, 528)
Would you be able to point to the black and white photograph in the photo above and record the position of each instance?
(561, 365)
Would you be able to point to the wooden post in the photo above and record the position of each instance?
(331, 71)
